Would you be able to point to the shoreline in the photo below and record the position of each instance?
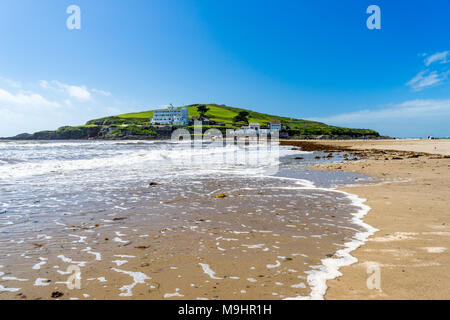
(329, 268)
(259, 247)
(410, 249)
(411, 239)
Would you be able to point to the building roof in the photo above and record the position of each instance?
(274, 122)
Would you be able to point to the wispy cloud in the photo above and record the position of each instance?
(409, 109)
(102, 92)
(427, 78)
(10, 83)
(25, 99)
(80, 93)
(30, 108)
(438, 56)
(412, 118)
(431, 77)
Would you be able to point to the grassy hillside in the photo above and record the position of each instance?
(137, 126)
(225, 114)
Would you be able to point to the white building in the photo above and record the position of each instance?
(171, 115)
(255, 126)
(274, 125)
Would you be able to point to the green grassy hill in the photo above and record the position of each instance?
(222, 114)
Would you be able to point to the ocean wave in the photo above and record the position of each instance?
(230, 157)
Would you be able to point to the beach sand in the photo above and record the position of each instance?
(411, 210)
(247, 251)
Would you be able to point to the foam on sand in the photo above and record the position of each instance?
(41, 282)
(276, 265)
(330, 266)
(209, 271)
(138, 277)
(97, 255)
(435, 249)
(120, 262)
(37, 266)
(3, 289)
(175, 294)
(13, 279)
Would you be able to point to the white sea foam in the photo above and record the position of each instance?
(81, 239)
(254, 246)
(175, 294)
(37, 266)
(13, 279)
(276, 265)
(117, 239)
(330, 266)
(69, 260)
(176, 153)
(435, 249)
(206, 269)
(97, 255)
(2, 288)
(138, 277)
(41, 282)
(120, 262)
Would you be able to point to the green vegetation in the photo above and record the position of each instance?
(64, 133)
(242, 116)
(225, 116)
(107, 121)
(133, 130)
(202, 110)
(221, 117)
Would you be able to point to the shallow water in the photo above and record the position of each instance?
(90, 204)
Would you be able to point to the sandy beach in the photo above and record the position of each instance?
(410, 208)
(262, 237)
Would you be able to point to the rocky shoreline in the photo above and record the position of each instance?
(358, 154)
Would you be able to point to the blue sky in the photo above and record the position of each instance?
(305, 59)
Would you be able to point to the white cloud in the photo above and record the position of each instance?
(408, 109)
(80, 93)
(11, 83)
(21, 111)
(431, 77)
(28, 99)
(412, 118)
(102, 92)
(44, 84)
(427, 78)
(438, 56)
(47, 107)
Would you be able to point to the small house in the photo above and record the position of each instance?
(274, 125)
(255, 126)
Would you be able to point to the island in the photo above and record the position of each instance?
(159, 124)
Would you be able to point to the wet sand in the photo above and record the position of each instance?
(411, 209)
(260, 240)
